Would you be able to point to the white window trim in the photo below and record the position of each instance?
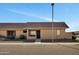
(33, 32)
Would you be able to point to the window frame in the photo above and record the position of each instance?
(31, 34)
(58, 32)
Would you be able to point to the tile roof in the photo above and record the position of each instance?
(34, 24)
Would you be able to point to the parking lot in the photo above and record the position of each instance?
(15, 48)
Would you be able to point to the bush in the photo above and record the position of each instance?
(22, 37)
(64, 40)
(1, 36)
(30, 40)
(73, 37)
(11, 37)
(46, 40)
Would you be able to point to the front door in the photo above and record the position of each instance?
(38, 34)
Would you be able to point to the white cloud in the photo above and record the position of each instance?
(29, 14)
(33, 15)
(57, 20)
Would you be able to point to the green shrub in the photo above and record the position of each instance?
(46, 40)
(73, 37)
(30, 40)
(11, 37)
(22, 37)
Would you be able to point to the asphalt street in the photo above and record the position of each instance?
(39, 48)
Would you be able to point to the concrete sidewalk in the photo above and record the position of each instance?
(34, 43)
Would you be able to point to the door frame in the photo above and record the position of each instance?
(38, 35)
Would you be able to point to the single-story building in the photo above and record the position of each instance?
(35, 30)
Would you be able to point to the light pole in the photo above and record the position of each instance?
(52, 4)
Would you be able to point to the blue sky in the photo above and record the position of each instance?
(41, 12)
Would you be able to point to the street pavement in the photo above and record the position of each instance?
(37, 48)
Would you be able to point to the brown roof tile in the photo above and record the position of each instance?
(47, 24)
(34, 24)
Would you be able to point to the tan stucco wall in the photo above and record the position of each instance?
(18, 31)
(52, 34)
(3, 32)
(45, 33)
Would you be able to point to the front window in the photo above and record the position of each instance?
(32, 32)
(58, 32)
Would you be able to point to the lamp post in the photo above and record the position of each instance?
(52, 4)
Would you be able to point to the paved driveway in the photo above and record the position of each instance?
(39, 48)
